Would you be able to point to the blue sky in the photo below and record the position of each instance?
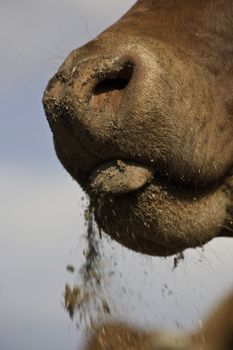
(42, 226)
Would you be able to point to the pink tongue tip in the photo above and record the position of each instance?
(120, 177)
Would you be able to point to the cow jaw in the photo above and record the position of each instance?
(152, 215)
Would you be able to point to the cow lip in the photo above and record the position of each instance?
(147, 175)
(119, 177)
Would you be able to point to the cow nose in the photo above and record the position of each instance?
(101, 83)
(91, 94)
(109, 87)
(92, 86)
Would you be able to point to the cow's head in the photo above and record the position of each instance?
(142, 118)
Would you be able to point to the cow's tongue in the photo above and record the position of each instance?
(118, 177)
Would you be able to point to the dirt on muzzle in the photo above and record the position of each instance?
(119, 177)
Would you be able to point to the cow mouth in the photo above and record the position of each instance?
(120, 177)
(149, 214)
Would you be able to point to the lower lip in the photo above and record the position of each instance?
(120, 177)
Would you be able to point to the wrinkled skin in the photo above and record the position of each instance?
(216, 333)
(151, 99)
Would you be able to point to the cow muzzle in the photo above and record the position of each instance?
(137, 128)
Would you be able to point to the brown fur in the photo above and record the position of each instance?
(154, 89)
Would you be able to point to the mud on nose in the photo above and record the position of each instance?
(91, 86)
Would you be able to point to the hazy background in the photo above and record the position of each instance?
(41, 211)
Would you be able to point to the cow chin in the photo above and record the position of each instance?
(143, 211)
(160, 219)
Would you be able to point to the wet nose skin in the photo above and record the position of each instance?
(98, 89)
(84, 99)
(90, 95)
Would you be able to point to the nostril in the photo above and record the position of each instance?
(114, 80)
